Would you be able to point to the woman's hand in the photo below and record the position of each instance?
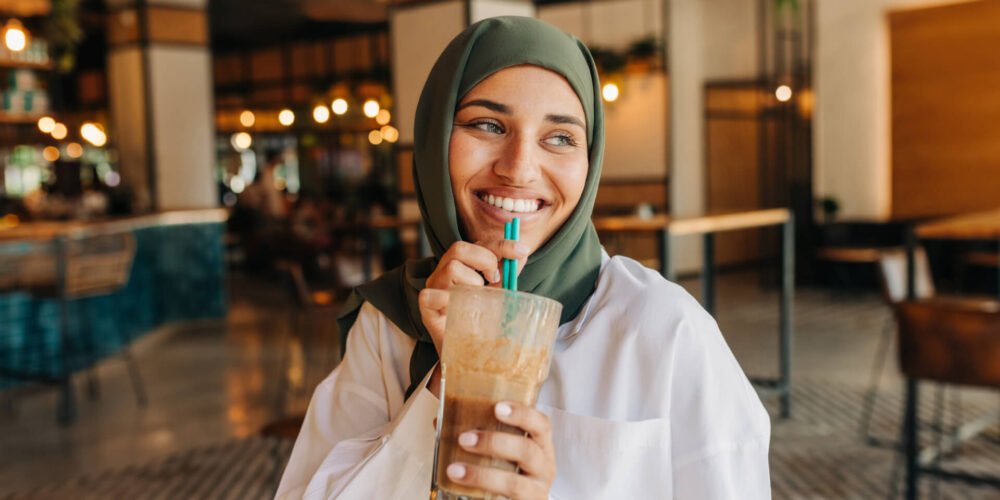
(534, 455)
(476, 264)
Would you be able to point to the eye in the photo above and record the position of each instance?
(487, 126)
(561, 139)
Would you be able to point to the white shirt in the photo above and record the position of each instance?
(646, 401)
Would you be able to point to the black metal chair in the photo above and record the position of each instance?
(953, 342)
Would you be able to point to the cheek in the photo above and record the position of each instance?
(464, 161)
(570, 181)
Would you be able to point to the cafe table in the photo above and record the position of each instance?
(707, 226)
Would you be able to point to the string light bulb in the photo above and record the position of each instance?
(15, 37)
(94, 134)
(46, 124)
(321, 114)
(247, 118)
(286, 117)
(783, 93)
(371, 108)
(383, 117)
(339, 106)
(59, 131)
(375, 137)
(74, 150)
(389, 133)
(50, 153)
(610, 92)
(241, 141)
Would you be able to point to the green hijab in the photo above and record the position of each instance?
(565, 268)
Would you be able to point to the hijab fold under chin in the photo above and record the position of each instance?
(566, 267)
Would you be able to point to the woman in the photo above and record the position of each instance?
(644, 398)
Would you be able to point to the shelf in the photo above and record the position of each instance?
(19, 119)
(8, 63)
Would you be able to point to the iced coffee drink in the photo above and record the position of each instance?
(497, 347)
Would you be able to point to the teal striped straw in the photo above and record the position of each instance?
(507, 230)
(511, 231)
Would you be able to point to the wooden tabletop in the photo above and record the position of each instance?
(47, 230)
(974, 226)
(711, 223)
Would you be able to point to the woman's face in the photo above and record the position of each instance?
(518, 149)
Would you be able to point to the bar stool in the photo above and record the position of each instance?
(953, 342)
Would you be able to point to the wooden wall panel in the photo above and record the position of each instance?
(177, 25)
(733, 112)
(267, 65)
(945, 109)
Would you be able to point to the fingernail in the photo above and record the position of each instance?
(504, 410)
(456, 471)
(521, 248)
(468, 439)
(496, 276)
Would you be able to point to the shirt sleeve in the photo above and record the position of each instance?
(720, 428)
(354, 443)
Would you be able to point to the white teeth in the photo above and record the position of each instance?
(511, 204)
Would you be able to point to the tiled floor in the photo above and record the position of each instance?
(212, 382)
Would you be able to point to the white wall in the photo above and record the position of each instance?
(128, 120)
(636, 124)
(415, 46)
(609, 24)
(709, 39)
(482, 9)
(419, 33)
(851, 128)
(183, 127)
(730, 39)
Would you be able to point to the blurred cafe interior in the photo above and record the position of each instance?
(190, 189)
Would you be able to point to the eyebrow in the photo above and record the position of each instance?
(488, 104)
(565, 119)
(504, 109)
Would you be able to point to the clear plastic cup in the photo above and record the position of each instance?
(497, 347)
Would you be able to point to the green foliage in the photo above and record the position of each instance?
(64, 33)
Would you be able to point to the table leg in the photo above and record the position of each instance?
(786, 314)
(665, 254)
(911, 248)
(998, 268)
(708, 273)
(911, 446)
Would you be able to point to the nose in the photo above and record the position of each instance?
(518, 162)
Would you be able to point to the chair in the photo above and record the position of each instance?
(946, 341)
(892, 273)
(80, 266)
(308, 303)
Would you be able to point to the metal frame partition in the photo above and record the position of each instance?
(708, 226)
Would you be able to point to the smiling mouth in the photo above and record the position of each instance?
(512, 205)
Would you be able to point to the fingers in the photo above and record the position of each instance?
(508, 484)
(526, 453)
(506, 249)
(434, 299)
(461, 265)
(528, 419)
(433, 304)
